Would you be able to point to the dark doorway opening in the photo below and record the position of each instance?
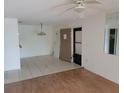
(77, 44)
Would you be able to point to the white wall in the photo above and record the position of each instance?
(11, 44)
(34, 45)
(57, 43)
(94, 58)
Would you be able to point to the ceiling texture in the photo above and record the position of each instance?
(44, 11)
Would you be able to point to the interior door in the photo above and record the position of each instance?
(65, 44)
(77, 35)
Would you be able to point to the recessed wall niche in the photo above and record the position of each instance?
(111, 36)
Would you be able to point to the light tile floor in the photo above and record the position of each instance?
(37, 66)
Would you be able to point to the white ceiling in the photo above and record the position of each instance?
(36, 11)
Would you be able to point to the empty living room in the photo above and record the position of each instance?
(61, 46)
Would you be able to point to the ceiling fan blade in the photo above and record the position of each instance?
(67, 10)
(64, 4)
(92, 2)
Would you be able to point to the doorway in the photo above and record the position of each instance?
(77, 45)
(65, 44)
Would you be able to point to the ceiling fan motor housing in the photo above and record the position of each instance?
(79, 1)
(80, 5)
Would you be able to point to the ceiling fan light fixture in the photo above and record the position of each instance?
(80, 8)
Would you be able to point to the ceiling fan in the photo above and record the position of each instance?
(78, 5)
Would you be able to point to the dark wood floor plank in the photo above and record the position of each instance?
(10, 88)
(73, 81)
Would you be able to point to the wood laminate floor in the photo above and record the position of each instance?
(73, 81)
